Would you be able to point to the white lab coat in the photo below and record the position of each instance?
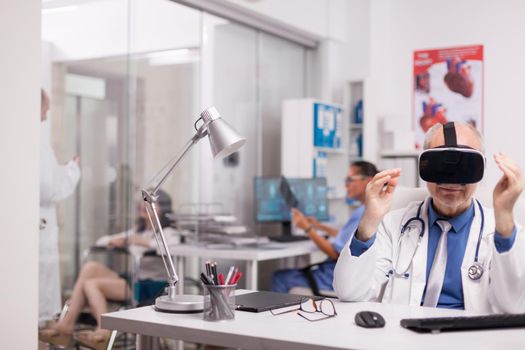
(56, 183)
(364, 278)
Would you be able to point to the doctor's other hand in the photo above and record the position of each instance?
(378, 200)
(506, 193)
(299, 220)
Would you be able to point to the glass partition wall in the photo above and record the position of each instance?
(128, 80)
(124, 137)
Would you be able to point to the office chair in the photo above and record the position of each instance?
(314, 288)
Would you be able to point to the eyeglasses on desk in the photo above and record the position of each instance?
(311, 310)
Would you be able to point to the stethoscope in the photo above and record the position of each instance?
(475, 270)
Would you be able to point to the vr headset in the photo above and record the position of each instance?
(451, 163)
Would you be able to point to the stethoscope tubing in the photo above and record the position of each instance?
(480, 230)
(405, 274)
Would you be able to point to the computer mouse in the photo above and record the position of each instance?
(369, 319)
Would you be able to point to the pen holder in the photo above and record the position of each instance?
(219, 302)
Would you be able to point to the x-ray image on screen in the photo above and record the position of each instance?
(270, 206)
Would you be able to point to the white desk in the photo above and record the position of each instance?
(250, 255)
(289, 331)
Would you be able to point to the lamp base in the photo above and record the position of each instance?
(180, 303)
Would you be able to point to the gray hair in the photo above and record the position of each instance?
(436, 127)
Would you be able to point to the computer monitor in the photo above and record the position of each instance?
(270, 206)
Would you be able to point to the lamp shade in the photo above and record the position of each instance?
(223, 139)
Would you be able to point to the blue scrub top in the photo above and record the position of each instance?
(324, 273)
(348, 229)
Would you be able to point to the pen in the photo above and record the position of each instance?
(205, 279)
(230, 274)
(234, 273)
(237, 277)
(208, 268)
(214, 272)
(221, 279)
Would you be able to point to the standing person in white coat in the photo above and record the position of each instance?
(56, 183)
(447, 251)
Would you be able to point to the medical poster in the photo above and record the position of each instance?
(448, 86)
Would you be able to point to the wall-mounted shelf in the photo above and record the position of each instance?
(399, 153)
(354, 94)
(354, 157)
(406, 159)
(336, 195)
(330, 150)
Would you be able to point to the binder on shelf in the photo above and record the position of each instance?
(358, 113)
(327, 126)
(359, 141)
(320, 164)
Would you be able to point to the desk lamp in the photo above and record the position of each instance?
(223, 142)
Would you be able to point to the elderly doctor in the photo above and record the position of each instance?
(447, 251)
(56, 183)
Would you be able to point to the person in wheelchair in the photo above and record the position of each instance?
(320, 276)
(96, 283)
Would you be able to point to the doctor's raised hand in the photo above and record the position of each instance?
(506, 193)
(378, 200)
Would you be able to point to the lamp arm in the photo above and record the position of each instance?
(185, 150)
(150, 197)
(161, 242)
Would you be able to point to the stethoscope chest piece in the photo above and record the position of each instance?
(475, 271)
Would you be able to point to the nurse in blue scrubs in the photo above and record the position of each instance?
(319, 277)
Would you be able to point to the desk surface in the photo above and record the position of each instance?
(270, 251)
(289, 331)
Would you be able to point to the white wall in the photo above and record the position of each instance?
(358, 39)
(330, 21)
(377, 72)
(312, 17)
(19, 151)
(117, 27)
(403, 26)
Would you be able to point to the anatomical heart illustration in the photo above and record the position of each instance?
(433, 113)
(458, 77)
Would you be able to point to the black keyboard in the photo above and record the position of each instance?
(289, 238)
(460, 323)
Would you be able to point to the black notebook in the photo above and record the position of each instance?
(264, 301)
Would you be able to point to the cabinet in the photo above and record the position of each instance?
(379, 145)
(314, 143)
